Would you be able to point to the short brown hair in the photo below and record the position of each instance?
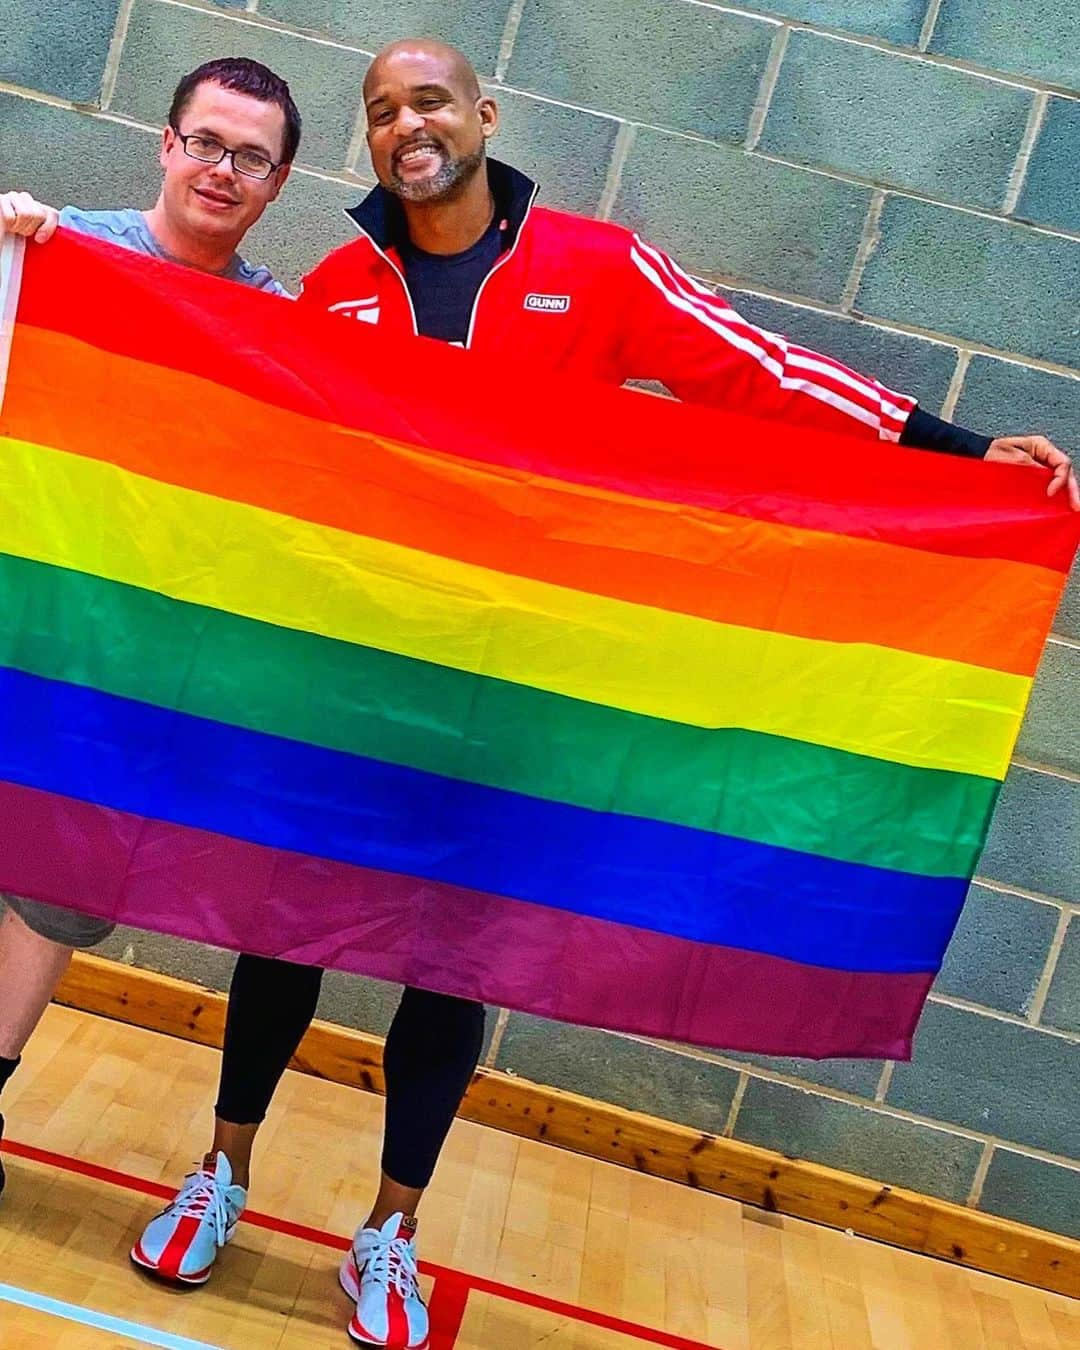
(245, 76)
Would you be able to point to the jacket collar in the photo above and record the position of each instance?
(381, 217)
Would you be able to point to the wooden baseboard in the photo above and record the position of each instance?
(743, 1172)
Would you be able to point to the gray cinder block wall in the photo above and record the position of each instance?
(893, 181)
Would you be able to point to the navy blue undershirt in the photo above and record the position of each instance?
(443, 286)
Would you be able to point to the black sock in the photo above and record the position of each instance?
(7, 1068)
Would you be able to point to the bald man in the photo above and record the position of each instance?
(451, 246)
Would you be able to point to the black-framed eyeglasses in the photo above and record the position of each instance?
(248, 162)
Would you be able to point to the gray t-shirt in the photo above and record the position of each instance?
(129, 229)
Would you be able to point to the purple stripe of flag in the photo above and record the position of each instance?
(212, 888)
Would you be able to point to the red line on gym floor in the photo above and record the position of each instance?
(447, 1303)
(449, 1297)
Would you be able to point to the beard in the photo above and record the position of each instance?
(450, 178)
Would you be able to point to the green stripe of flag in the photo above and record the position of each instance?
(70, 626)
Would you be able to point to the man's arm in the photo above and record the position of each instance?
(21, 214)
(704, 351)
(926, 432)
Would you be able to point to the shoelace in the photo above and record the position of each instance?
(393, 1262)
(202, 1193)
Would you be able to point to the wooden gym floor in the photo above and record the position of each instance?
(523, 1245)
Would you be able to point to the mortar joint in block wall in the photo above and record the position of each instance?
(929, 23)
(115, 52)
(509, 37)
(868, 242)
(1036, 118)
(767, 87)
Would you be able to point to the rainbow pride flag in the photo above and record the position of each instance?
(374, 654)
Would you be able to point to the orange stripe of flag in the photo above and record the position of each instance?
(182, 429)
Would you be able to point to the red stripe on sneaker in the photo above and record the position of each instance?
(139, 1256)
(361, 1333)
(174, 1251)
(397, 1327)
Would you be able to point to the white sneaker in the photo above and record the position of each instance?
(379, 1275)
(182, 1242)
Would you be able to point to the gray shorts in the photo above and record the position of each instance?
(59, 925)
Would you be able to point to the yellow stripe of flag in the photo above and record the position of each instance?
(893, 705)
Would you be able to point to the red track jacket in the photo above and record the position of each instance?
(594, 299)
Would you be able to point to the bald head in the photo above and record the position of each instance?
(427, 121)
(450, 66)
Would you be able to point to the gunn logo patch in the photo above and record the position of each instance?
(547, 304)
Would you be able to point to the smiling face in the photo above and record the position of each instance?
(213, 199)
(428, 123)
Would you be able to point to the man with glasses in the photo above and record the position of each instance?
(232, 134)
(226, 152)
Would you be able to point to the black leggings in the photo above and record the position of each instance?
(432, 1049)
